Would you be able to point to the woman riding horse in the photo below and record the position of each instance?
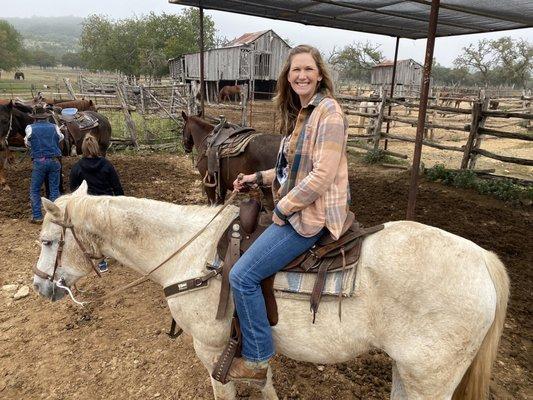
(310, 184)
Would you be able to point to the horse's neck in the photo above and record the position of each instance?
(142, 233)
(200, 132)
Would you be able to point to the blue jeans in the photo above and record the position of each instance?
(43, 169)
(275, 248)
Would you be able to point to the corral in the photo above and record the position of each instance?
(129, 365)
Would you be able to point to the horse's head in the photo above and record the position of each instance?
(187, 138)
(6, 119)
(62, 261)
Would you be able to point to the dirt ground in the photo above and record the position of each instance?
(120, 350)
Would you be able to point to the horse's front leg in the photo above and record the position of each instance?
(207, 356)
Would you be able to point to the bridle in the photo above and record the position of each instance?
(65, 224)
(57, 264)
(9, 129)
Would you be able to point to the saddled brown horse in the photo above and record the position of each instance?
(227, 92)
(102, 133)
(260, 154)
(15, 117)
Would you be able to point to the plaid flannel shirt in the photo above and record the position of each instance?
(316, 192)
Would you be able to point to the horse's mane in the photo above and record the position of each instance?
(105, 211)
(201, 122)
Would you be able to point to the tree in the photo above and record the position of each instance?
(514, 59)
(142, 45)
(72, 60)
(356, 60)
(477, 57)
(11, 50)
(40, 58)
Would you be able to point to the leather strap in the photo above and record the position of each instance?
(232, 255)
(190, 284)
(232, 349)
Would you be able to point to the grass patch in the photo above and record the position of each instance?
(502, 189)
(374, 156)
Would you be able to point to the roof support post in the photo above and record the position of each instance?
(424, 91)
(202, 85)
(393, 83)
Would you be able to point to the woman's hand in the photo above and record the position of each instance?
(277, 220)
(243, 181)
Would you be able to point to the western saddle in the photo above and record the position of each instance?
(226, 140)
(326, 256)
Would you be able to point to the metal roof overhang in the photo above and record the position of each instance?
(397, 18)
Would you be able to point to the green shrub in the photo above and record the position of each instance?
(502, 189)
(374, 156)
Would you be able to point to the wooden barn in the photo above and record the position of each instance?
(408, 76)
(254, 58)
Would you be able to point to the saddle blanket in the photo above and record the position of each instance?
(337, 283)
(235, 145)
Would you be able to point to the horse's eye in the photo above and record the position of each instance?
(46, 242)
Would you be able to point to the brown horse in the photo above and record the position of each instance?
(19, 76)
(14, 118)
(227, 91)
(74, 135)
(260, 154)
(81, 105)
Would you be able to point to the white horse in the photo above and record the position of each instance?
(433, 301)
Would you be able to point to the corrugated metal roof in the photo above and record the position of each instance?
(390, 63)
(247, 38)
(397, 18)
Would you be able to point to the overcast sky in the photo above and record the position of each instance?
(233, 25)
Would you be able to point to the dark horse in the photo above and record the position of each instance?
(260, 154)
(228, 91)
(15, 117)
(19, 75)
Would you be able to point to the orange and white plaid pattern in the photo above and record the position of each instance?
(316, 193)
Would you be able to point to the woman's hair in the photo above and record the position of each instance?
(286, 100)
(89, 147)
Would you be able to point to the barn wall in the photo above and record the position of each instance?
(235, 63)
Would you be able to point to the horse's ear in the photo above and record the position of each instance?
(10, 104)
(81, 190)
(184, 116)
(51, 208)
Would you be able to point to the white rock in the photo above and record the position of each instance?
(10, 288)
(22, 292)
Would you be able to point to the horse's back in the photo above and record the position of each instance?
(414, 269)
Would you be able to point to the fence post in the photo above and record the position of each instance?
(478, 137)
(379, 121)
(70, 90)
(244, 94)
(130, 124)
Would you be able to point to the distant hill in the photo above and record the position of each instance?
(55, 35)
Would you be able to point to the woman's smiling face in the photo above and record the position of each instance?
(304, 76)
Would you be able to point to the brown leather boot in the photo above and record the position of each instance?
(241, 371)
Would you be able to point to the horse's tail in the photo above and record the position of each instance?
(475, 382)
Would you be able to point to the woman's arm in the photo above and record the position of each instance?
(327, 153)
